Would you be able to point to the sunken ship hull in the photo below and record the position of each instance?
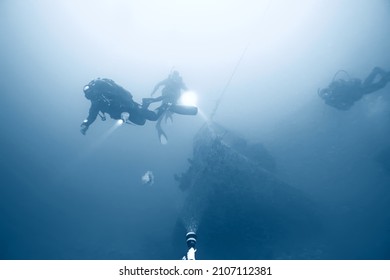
(238, 207)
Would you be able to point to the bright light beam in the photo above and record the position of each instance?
(188, 98)
(104, 137)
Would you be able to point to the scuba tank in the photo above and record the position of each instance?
(184, 110)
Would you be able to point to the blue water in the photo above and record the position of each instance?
(68, 196)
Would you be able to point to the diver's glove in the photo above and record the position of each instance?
(84, 127)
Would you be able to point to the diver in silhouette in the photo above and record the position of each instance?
(170, 95)
(108, 97)
(173, 85)
(342, 94)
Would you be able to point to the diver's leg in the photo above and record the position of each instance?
(374, 73)
(137, 117)
(150, 115)
(147, 101)
(370, 86)
(137, 120)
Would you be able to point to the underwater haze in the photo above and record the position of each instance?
(64, 195)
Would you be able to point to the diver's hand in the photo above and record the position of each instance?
(84, 128)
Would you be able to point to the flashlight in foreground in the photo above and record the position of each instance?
(191, 243)
(188, 98)
(191, 239)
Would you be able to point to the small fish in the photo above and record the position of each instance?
(148, 178)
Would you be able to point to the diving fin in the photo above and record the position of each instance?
(162, 137)
(168, 116)
(161, 134)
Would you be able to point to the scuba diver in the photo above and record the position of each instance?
(170, 95)
(108, 97)
(342, 94)
(171, 91)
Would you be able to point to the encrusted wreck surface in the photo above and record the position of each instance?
(237, 206)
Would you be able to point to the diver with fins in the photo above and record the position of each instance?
(343, 93)
(170, 95)
(107, 97)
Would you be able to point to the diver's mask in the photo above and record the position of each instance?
(88, 91)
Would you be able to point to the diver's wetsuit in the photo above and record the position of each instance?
(108, 97)
(342, 94)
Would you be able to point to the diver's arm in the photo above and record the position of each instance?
(158, 86)
(93, 112)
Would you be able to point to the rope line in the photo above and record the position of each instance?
(234, 71)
